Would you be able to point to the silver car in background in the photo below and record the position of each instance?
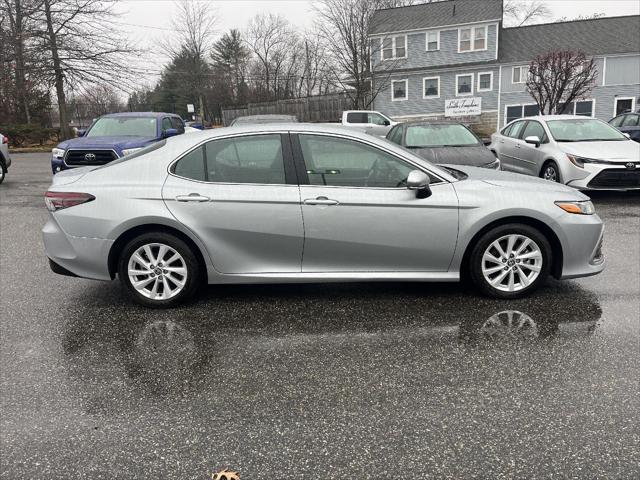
(584, 153)
(310, 203)
(5, 158)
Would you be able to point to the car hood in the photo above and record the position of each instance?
(616, 151)
(474, 155)
(117, 143)
(518, 182)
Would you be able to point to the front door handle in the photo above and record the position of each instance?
(320, 201)
(192, 197)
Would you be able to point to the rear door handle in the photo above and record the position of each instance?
(192, 197)
(320, 201)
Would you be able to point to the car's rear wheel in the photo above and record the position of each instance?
(551, 172)
(159, 270)
(3, 171)
(510, 261)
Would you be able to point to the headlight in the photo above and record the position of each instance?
(580, 208)
(129, 151)
(57, 152)
(579, 161)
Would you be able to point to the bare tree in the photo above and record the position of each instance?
(558, 78)
(517, 13)
(85, 48)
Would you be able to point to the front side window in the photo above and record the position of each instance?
(399, 90)
(464, 84)
(534, 129)
(123, 126)
(587, 130)
(631, 120)
(395, 135)
(347, 163)
(376, 119)
(515, 130)
(166, 124)
(250, 159)
(178, 124)
(485, 81)
(431, 87)
(433, 41)
(617, 122)
(443, 135)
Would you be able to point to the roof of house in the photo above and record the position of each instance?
(434, 14)
(599, 36)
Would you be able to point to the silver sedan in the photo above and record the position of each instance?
(310, 203)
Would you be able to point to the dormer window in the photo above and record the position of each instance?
(433, 41)
(472, 39)
(394, 47)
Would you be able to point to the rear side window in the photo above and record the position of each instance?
(357, 117)
(192, 165)
(396, 135)
(631, 120)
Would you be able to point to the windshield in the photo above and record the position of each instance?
(579, 130)
(123, 127)
(443, 135)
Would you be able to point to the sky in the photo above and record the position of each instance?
(147, 22)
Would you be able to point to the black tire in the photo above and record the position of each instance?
(551, 172)
(190, 260)
(3, 170)
(476, 260)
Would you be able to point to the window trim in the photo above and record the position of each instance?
(406, 90)
(593, 107)
(393, 48)
(615, 104)
(523, 77)
(291, 177)
(426, 38)
(472, 38)
(472, 75)
(424, 95)
(490, 89)
(521, 105)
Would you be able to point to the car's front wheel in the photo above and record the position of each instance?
(510, 261)
(159, 270)
(551, 172)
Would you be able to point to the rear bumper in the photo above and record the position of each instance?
(76, 256)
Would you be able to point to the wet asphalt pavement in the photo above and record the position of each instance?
(352, 381)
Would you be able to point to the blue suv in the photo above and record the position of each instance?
(113, 136)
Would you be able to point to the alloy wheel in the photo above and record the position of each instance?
(157, 271)
(512, 263)
(550, 173)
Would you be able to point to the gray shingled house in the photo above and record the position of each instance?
(454, 58)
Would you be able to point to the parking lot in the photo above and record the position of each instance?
(315, 381)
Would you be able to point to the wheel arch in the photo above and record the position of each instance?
(135, 231)
(557, 258)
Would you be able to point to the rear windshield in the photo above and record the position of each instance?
(123, 127)
(587, 130)
(443, 135)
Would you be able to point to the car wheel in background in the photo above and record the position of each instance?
(551, 172)
(3, 171)
(510, 261)
(159, 270)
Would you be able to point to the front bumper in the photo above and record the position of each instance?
(78, 256)
(582, 246)
(598, 176)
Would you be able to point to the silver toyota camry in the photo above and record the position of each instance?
(311, 203)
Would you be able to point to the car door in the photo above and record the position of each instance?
(531, 157)
(240, 196)
(510, 144)
(359, 216)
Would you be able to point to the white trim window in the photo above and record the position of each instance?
(399, 90)
(519, 74)
(618, 111)
(513, 112)
(464, 84)
(472, 39)
(431, 87)
(433, 41)
(585, 108)
(394, 47)
(485, 82)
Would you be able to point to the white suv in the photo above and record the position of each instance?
(5, 159)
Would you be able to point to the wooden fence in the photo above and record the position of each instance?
(320, 108)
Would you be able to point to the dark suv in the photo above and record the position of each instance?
(629, 123)
(113, 136)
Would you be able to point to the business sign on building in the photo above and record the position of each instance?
(462, 107)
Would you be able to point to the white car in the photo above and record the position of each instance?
(5, 158)
(368, 121)
(581, 152)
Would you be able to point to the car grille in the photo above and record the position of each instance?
(616, 178)
(80, 158)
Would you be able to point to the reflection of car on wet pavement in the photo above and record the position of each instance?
(227, 206)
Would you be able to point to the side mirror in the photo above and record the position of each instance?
(626, 135)
(533, 140)
(169, 132)
(386, 123)
(81, 133)
(419, 181)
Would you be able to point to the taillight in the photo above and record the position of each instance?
(59, 200)
(5, 140)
